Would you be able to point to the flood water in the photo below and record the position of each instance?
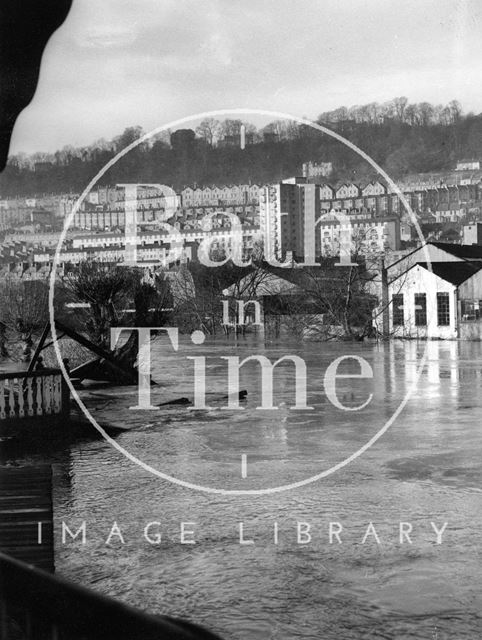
(426, 468)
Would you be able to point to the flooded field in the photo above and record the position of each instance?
(263, 566)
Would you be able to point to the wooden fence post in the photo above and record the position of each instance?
(65, 410)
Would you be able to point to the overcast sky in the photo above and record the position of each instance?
(116, 63)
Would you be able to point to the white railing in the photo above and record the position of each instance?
(38, 393)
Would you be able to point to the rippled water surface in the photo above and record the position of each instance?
(425, 469)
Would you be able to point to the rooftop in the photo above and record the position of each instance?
(467, 251)
(453, 272)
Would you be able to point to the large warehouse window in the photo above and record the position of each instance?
(420, 310)
(397, 304)
(443, 309)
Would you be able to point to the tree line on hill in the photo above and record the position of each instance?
(401, 137)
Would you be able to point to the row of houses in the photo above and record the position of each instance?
(105, 206)
(217, 195)
(366, 235)
(349, 196)
(153, 248)
(150, 197)
(105, 220)
(444, 201)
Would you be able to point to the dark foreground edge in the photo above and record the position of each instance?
(37, 605)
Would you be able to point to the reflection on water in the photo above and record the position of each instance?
(425, 469)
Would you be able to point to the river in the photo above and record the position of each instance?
(287, 580)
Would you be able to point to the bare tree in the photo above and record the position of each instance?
(23, 313)
(400, 105)
(106, 290)
(231, 127)
(426, 111)
(411, 114)
(455, 110)
(255, 283)
(129, 135)
(209, 130)
(116, 296)
(387, 111)
(341, 294)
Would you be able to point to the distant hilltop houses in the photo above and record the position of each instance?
(303, 216)
(189, 196)
(217, 195)
(445, 201)
(468, 165)
(317, 169)
(439, 193)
